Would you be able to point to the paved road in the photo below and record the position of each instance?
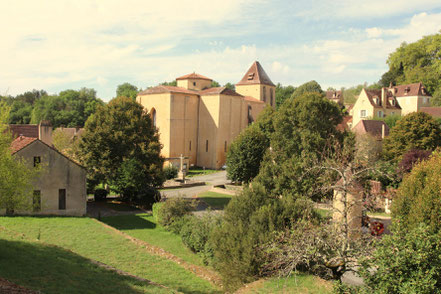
(218, 178)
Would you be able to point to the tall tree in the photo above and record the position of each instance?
(121, 146)
(308, 87)
(127, 90)
(283, 93)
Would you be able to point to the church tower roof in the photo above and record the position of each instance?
(256, 75)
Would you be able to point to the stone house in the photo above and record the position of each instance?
(42, 131)
(61, 187)
(199, 121)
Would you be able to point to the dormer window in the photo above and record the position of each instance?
(392, 102)
(377, 101)
(251, 76)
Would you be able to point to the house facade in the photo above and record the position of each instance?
(61, 187)
(199, 121)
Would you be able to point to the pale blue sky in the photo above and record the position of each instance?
(58, 45)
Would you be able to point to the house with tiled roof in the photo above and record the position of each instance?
(42, 131)
(199, 121)
(335, 96)
(60, 188)
(392, 100)
(375, 128)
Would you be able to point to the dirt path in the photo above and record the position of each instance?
(199, 271)
(11, 288)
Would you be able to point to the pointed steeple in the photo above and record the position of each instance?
(256, 75)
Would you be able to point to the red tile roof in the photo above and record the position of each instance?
(25, 130)
(21, 142)
(344, 124)
(194, 76)
(416, 89)
(219, 90)
(374, 93)
(256, 75)
(433, 111)
(167, 89)
(372, 127)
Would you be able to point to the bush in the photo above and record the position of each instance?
(418, 197)
(195, 233)
(250, 219)
(170, 172)
(411, 158)
(155, 209)
(100, 194)
(405, 262)
(171, 212)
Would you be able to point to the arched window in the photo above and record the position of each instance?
(153, 115)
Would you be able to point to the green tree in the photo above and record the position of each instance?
(303, 127)
(418, 198)
(230, 86)
(419, 61)
(214, 84)
(311, 86)
(121, 146)
(16, 177)
(172, 83)
(283, 93)
(245, 154)
(417, 130)
(127, 90)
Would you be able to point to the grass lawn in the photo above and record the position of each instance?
(197, 171)
(215, 200)
(300, 283)
(87, 238)
(144, 227)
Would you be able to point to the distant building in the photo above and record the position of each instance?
(200, 121)
(335, 96)
(433, 111)
(61, 188)
(42, 131)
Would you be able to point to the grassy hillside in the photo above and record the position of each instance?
(89, 239)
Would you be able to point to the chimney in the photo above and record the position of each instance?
(383, 131)
(384, 97)
(45, 132)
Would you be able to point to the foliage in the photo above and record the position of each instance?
(172, 83)
(170, 213)
(308, 87)
(70, 108)
(127, 90)
(418, 199)
(120, 146)
(16, 175)
(350, 95)
(299, 138)
(245, 154)
(65, 144)
(412, 157)
(283, 93)
(230, 86)
(195, 234)
(416, 62)
(170, 172)
(250, 219)
(265, 121)
(390, 120)
(214, 84)
(417, 130)
(408, 261)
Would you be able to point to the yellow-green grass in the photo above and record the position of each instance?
(197, 171)
(87, 238)
(51, 269)
(300, 283)
(215, 200)
(144, 227)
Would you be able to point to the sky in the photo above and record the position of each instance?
(100, 44)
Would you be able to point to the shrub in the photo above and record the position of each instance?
(155, 209)
(411, 158)
(100, 194)
(418, 197)
(409, 261)
(170, 213)
(250, 219)
(170, 172)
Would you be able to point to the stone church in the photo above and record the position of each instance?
(199, 121)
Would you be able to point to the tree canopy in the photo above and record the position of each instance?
(311, 86)
(283, 93)
(121, 146)
(127, 90)
(417, 130)
(419, 61)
